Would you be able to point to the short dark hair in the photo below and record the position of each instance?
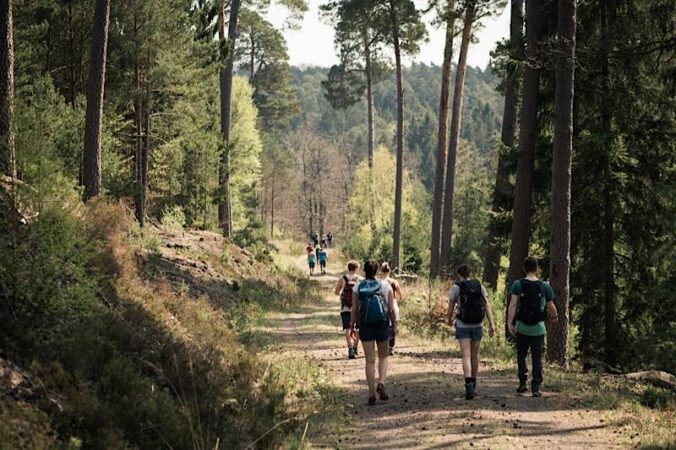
(463, 271)
(530, 265)
(352, 266)
(370, 269)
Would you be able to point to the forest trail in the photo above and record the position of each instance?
(427, 408)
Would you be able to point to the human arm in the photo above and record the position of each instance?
(512, 314)
(452, 298)
(339, 286)
(552, 313)
(489, 313)
(390, 306)
(353, 315)
(398, 293)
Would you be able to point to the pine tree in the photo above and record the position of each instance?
(7, 151)
(559, 273)
(91, 157)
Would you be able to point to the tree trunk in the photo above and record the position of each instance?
(502, 189)
(559, 273)
(527, 136)
(71, 59)
(608, 237)
(442, 141)
(91, 157)
(226, 76)
(7, 151)
(369, 124)
(272, 207)
(454, 140)
(138, 125)
(399, 176)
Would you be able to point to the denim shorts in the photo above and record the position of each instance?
(474, 334)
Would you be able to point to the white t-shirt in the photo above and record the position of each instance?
(453, 297)
(357, 279)
(384, 285)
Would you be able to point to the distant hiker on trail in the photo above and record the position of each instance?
(329, 238)
(310, 248)
(467, 307)
(317, 250)
(372, 309)
(531, 304)
(323, 241)
(311, 260)
(323, 259)
(398, 294)
(315, 238)
(344, 288)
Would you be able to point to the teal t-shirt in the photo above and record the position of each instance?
(539, 329)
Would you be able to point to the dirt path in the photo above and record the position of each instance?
(427, 408)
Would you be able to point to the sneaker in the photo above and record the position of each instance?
(372, 401)
(351, 353)
(391, 353)
(522, 388)
(469, 391)
(381, 392)
(536, 391)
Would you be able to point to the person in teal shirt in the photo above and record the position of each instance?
(531, 304)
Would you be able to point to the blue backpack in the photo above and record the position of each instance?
(373, 308)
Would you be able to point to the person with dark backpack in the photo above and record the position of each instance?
(344, 288)
(531, 304)
(372, 314)
(467, 307)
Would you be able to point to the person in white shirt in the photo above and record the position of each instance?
(344, 288)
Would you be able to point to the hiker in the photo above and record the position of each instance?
(323, 241)
(315, 238)
(317, 250)
(467, 307)
(310, 248)
(531, 304)
(323, 259)
(329, 238)
(372, 309)
(344, 288)
(311, 261)
(398, 294)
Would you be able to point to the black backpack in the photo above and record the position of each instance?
(531, 309)
(346, 293)
(471, 302)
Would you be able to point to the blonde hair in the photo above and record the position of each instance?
(385, 267)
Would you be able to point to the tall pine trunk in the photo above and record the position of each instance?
(608, 232)
(442, 140)
(454, 140)
(91, 157)
(559, 273)
(399, 176)
(521, 211)
(7, 151)
(502, 189)
(226, 76)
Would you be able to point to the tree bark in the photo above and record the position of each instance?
(7, 151)
(91, 158)
(138, 125)
(454, 140)
(226, 76)
(608, 236)
(502, 189)
(527, 136)
(399, 176)
(559, 274)
(442, 140)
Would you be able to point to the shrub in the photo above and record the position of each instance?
(174, 218)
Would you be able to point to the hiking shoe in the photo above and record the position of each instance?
(372, 401)
(391, 351)
(522, 388)
(351, 353)
(469, 391)
(536, 391)
(381, 392)
(356, 352)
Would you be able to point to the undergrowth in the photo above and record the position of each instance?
(132, 361)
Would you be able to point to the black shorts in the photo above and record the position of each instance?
(346, 317)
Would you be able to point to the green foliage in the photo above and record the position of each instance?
(174, 218)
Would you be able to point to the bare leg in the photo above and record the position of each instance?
(475, 357)
(348, 338)
(383, 353)
(465, 349)
(370, 355)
